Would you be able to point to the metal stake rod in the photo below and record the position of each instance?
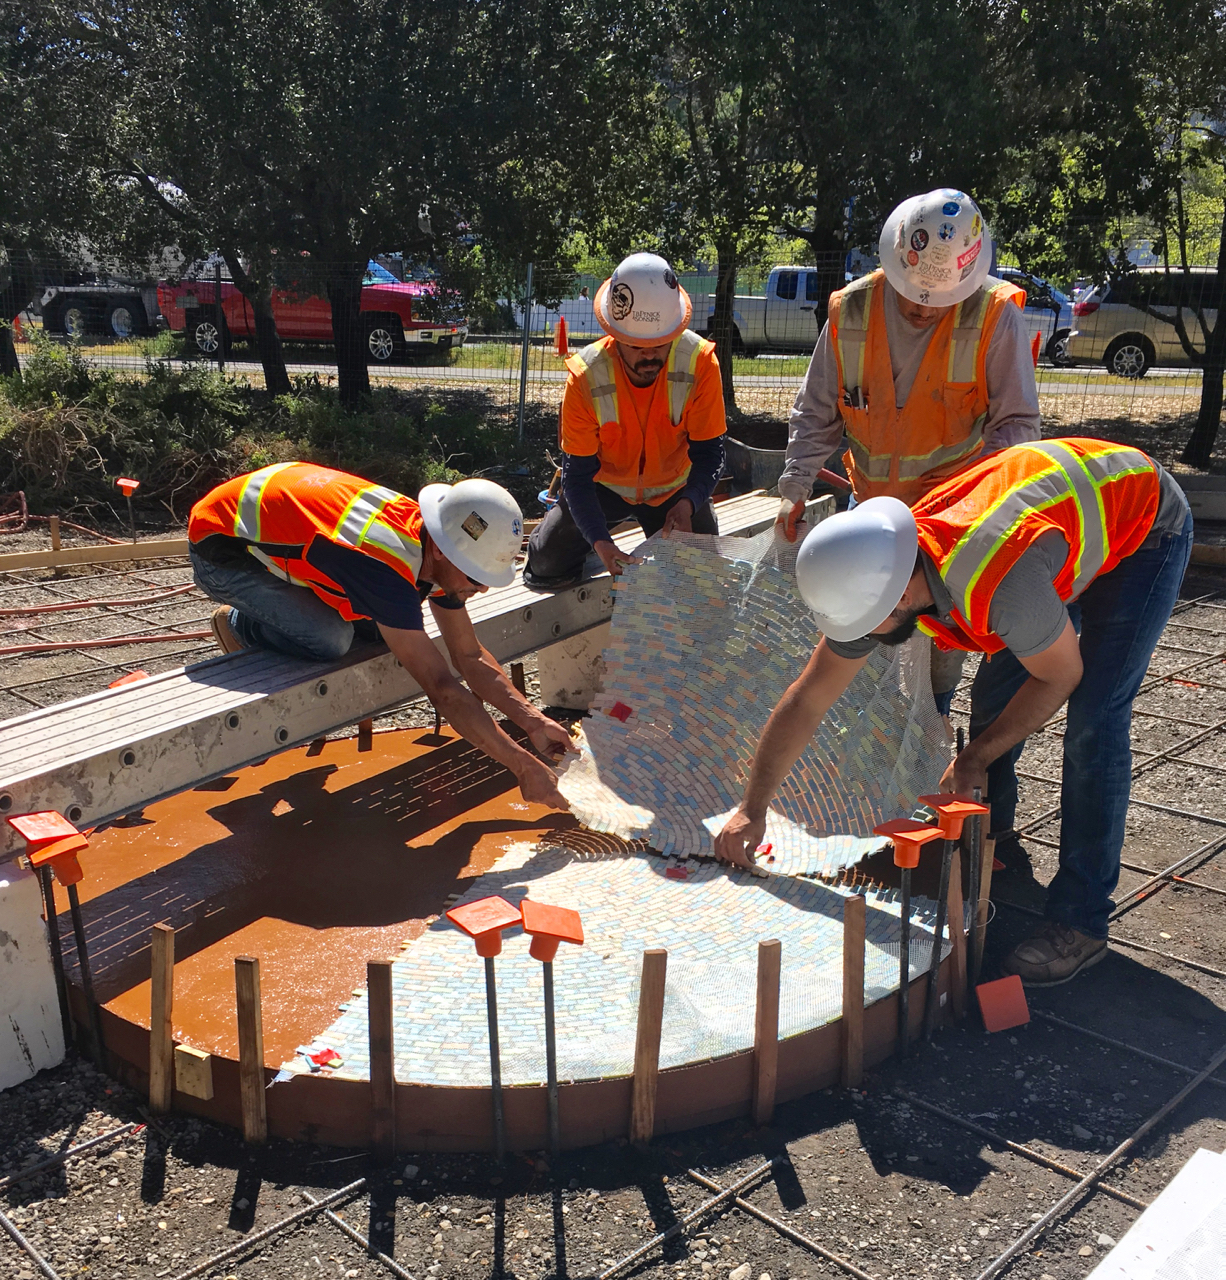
(491, 1008)
(551, 1063)
(523, 355)
(87, 978)
(938, 932)
(45, 1268)
(57, 954)
(904, 965)
(972, 897)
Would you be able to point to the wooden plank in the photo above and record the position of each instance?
(161, 1008)
(853, 992)
(382, 1058)
(987, 855)
(957, 938)
(155, 549)
(54, 522)
(766, 1031)
(366, 734)
(250, 1048)
(647, 1045)
(194, 1072)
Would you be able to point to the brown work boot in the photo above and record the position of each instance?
(1053, 955)
(223, 632)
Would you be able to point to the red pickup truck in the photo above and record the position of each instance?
(387, 312)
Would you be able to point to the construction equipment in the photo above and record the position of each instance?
(484, 921)
(908, 837)
(550, 926)
(952, 811)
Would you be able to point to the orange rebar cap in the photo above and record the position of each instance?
(484, 921)
(953, 811)
(548, 927)
(128, 485)
(51, 840)
(907, 835)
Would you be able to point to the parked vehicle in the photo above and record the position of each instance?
(1049, 313)
(116, 308)
(788, 318)
(391, 328)
(1129, 323)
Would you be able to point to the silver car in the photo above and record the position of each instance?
(1129, 324)
(1049, 313)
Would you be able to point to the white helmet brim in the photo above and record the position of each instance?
(853, 568)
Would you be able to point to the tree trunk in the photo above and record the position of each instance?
(348, 332)
(1199, 448)
(721, 321)
(17, 292)
(258, 292)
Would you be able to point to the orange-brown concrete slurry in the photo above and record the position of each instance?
(314, 861)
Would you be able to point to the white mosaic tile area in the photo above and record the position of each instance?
(702, 646)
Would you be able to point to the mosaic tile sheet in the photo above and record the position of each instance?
(706, 637)
(711, 924)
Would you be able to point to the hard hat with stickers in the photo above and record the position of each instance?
(935, 249)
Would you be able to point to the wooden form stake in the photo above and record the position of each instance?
(766, 1032)
(250, 1048)
(957, 939)
(517, 678)
(853, 991)
(161, 1008)
(382, 1058)
(366, 734)
(55, 532)
(647, 1045)
(987, 855)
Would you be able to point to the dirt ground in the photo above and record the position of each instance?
(869, 1174)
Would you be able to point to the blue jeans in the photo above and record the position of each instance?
(269, 613)
(1120, 618)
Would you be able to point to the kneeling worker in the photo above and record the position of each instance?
(302, 557)
(1020, 551)
(642, 427)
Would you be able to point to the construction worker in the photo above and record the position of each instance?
(925, 365)
(301, 558)
(1067, 554)
(642, 427)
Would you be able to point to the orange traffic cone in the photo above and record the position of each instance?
(18, 333)
(1034, 348)
(562, 346)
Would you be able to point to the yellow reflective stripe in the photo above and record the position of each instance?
(969, 558)
(601, 381)
(913, 465)
(362, 508)
(631, 493)
(396, 544)
(854, 311)
(1091, 551)
(967, 335)
(274, 568)
(874, 466)
(684, 351)
(247, 514)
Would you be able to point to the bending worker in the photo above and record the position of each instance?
(302, 558)
(1018, 552)
(642, 427)
(925, 366)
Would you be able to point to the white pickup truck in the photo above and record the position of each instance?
(789, 318)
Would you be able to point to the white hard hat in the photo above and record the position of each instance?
(641, 303)
(935, 249)
(853, 568)
(477, 525)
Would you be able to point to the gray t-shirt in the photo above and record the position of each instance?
(1026, 611)
(815, 426)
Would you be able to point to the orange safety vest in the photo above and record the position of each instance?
(642, 466)
(1101, 497)
(279, 510)
(904, 452)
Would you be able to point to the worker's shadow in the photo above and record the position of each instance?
(300, 853)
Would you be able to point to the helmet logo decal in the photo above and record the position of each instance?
(951, 208)
(965, 259)
(947, 231)
(670, 279)
(474, 525)
(912, 257)
(621, 300)
(516, 528)
(919, 239)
